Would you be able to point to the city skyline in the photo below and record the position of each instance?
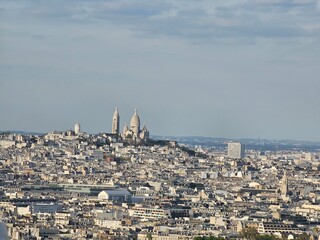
(233, 70)
(125, 124)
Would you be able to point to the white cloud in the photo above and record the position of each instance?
(82, 58)
(192, 20)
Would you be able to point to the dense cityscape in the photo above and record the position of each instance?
(126, 185)
(159, 120)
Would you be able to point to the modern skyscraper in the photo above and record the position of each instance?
(284, 185)
(235, 150)
(115, 122)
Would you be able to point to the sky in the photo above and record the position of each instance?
(216, 68)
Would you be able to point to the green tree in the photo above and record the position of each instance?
(303, 236)
(249, 233)
(208, 238)
(267, 237)
(214, 238)
(149, 236)
(198, 238)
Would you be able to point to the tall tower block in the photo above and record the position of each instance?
(284, 185)
(115, 122)
(235, 150)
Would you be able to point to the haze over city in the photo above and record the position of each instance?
(204, 68)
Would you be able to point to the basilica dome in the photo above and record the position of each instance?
(77, 128)
(135, 120)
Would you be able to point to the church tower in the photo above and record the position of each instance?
(115, 122)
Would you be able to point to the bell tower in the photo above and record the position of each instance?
(115, 122)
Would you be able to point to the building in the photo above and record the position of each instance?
(235, 150)
(77, 128)
(135, 132)
(284, 185)
(44, 208)
(163, 236)
(135, 124)
(149, 213)
(119, 195)
(108, 223)
(271, 228)
(115, 122)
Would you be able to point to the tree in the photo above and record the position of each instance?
(214, 238)
(267, 237)
(303, 236)
(149, 236)
(198, 238)
(249, 233)
(207, 238)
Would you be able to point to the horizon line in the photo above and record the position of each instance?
(173, 136)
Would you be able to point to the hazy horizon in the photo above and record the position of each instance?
(170, 136)
(240, 69)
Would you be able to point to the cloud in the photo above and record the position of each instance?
(81, 58)
(192, 20)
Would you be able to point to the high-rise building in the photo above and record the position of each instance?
(284, 185)
(235, 150)
(115, 122)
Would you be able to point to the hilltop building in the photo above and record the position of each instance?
(77, 128)
(115, 122)
(135, 132)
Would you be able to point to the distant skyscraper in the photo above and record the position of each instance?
(235, 150)
(116, 122)
(284, 185)
(77, 128)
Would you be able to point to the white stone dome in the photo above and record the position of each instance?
(135, 120)
(77, 128)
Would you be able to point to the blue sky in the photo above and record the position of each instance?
(237, 68)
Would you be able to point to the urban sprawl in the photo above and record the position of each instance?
(125, 185)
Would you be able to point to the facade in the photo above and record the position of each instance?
(44, 208)
(62, 218)
(271, 228)
(108, 223)
(149, 213)
(7, 143)
(162, 236)
(235, 150)
(119, 195)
